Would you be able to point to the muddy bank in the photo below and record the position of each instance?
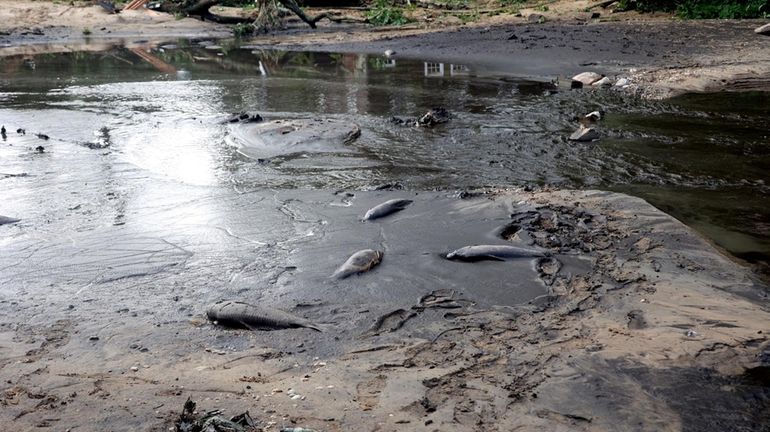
(656, 312)
(661, 57)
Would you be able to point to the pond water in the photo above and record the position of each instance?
(150, 118)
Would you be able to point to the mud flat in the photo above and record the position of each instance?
(658, 331)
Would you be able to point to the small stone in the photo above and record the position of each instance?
(389, 53)
(536, 18)
(604, 82)
(691, 333)
(296, 397)
(622, 82)
(587, 78)
(763, 30)
(584, 134)
(134, 368)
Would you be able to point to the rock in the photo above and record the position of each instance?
(587, 16)
(622, 82)
(763, 30)
(584, 134)
(536, 18)
(587, 78)
(604, 82)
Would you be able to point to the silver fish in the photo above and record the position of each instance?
(493, 253)
(387, 208)
(244, 315)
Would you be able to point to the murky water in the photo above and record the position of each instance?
(138, 132)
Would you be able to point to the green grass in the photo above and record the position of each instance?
(383, 13)
(702, 9)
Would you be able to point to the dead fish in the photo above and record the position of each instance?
(493, 253)
(387, 208)
(8, 220)
(360, 262)
(244, 315)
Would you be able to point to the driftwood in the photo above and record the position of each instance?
(267, 17)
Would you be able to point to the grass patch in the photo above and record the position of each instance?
(243, 29)
(702, 9)
(384, 13)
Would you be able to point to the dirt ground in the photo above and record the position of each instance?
(664, 333)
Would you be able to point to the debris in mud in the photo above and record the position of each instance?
(2, 133)
(102, 139)
(244, 117)
(360, 262)
(212, 421)
(434, 117)
(40, 149)
(243, 315)
(21, 131)
(636, 320)
(548, 269)
(389, 53)
(439, 299)
(562, 229)
(43, 136)
(584, 134)
(763, 30)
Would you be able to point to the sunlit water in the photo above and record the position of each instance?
(703, 159)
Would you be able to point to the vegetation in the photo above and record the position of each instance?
(384, 13)
(243, 29)
(703, 9)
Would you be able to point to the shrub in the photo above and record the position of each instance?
(702, 9)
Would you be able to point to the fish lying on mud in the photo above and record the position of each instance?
(494, 253)
(360, 262)
(243, 315)
(387, 208)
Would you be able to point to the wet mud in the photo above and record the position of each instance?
(141, 212)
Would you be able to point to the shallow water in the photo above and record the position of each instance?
(136, 133)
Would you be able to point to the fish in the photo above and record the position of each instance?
(360, 262)
(494, 253)
(243, 315)
(8, 220)
(387, 208)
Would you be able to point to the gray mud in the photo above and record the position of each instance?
(137, 211)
